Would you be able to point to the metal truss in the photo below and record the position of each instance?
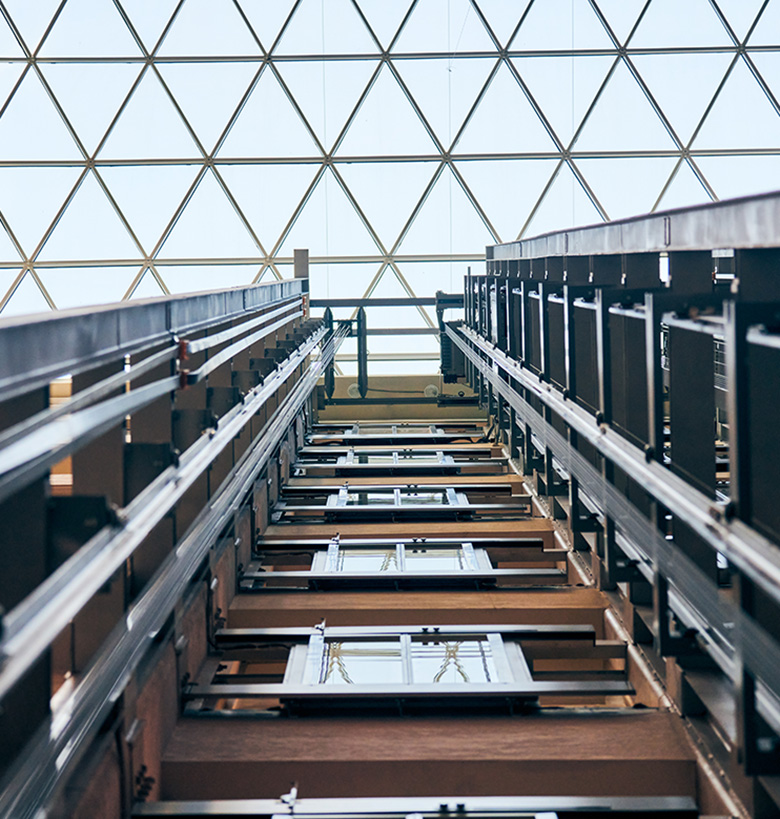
(142, 265)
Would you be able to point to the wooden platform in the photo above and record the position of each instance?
(560, 752)
(534, 606)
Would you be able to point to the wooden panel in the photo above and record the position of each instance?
(638, 754)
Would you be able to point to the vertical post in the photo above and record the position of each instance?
(330, 370)
(301, 264)
(362, 353)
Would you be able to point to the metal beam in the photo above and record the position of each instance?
(747, 222)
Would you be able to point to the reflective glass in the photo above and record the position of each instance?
(428, 498)
(370, 499)
(434, 560)
(367, 560)
(361, 663)
(453, 661)
(186, 136)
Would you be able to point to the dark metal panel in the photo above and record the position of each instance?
(692, 407)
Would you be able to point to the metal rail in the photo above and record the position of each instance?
(718, 620)
(747, 222)
(31, 626)
(73, 341)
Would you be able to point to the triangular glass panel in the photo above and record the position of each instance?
(741, 14)
(327, 91)
(329, 225)
(765, 32)
(627, 186)
(147, 288)
(254, 133)
(389, 287)
(89, 229)
(503, 16)
(149, 127)
(9, 76)
(208, 93)
(90, 94)
(384, 18)
(88, 29)
(149, 19)
(520, 131)
(752, 121)
(621, 15)
(30, 198)
(560, 25)
(458, 29)
(267, 17)
(268, 195)
(564, 87)
(565, 205)
(341, 281)
(445, 90)
(695, 24)
(208, 27)
(507, 189)
(623, 119)
(76, 287)
(26, 300)
(31, 127)
(386, 124)
(8, 251)
(741, 175)
(683, 103)
(428, 277)
(768, 64)
(447, 222)
(684, 190)
(387, 192)
(209, 227)
(148, 196)
(9, 45)
(31, 19)
(193, 278)
(338, 30)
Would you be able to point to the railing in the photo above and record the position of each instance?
(167, 432)
(576, 341)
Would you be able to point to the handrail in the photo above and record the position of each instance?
(748, 222)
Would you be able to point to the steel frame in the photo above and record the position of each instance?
(30, 627)
(445, 154)
(481, 807)
(562, 341)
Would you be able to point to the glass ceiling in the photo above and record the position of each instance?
(164, 146)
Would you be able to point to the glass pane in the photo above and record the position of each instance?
(436, 498)
(370, 499)
(367, 560)
(361, 663)
(433, 560)
(456, 661)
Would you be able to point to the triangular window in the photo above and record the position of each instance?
(255, 133)
(209, 27)
(149, 127)
(209, 227)
(90, 95)
(90, 228)
(148, 196)
(386, 123)
(88, 29)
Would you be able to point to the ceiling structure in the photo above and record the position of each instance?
(156, 146)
